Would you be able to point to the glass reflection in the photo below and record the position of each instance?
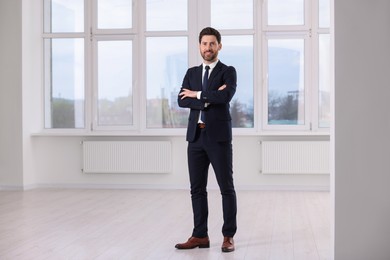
(161, 16)
(115, 97)
(281, 12)
(167, 63)
(232, 14)
(64, 16)
(64, 87)
(114, 14)
(237, 51)
(324, 13)
(286, 82)
(324, 81)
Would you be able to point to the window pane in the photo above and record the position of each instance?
(324, 80)
(282, 12)
(286, 82)
(232, 14)
(237, 51)
(166, 15)
(64, 16)
(167, 64)
(64, 83)
(115, 97)
(114, 14)
(324, 13)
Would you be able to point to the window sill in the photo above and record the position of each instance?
(171, 132)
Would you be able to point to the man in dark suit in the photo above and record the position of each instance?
(209, 136)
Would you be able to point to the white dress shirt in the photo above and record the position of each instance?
(212, 66)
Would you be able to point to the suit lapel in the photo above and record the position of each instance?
(199, 78)
(215, 71)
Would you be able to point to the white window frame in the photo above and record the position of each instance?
(276, 28)
(94, 21)
(192, 6)
(307, 73)
(316, 32)
(95, 84)
(198, 19)
(309, 32)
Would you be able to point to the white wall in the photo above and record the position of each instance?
(58, 163)
(11, 151)
(31, 80)
(19, 96)
(55, 161)
(362, 129)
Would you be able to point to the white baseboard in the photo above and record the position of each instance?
(18, 187)
(112, 186)
(283, 187)
(160, 187)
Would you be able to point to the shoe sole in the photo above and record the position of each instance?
(200, 246)
(225, 250)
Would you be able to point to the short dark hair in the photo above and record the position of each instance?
(210, 31)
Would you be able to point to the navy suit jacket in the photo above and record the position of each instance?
(218, 119)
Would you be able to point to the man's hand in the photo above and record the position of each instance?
(187, 93)
(222, 87)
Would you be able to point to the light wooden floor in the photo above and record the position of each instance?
(146, 224)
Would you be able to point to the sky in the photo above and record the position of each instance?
(68, 61)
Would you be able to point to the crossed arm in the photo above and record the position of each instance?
(193, 94)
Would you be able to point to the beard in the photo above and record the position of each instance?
(209, 56)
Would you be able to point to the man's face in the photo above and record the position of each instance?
(209, 48)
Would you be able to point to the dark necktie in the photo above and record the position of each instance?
(205, 78)
(204, 88)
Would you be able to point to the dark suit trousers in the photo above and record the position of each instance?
(201, 153)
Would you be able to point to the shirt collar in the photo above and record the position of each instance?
(211, 65)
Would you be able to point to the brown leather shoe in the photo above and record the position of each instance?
(228, 244)
(194, 242)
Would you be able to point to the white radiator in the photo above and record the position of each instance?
(127, 156)
(295, 157)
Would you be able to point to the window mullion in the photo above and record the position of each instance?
(309, 86)
(314, 68)
(193, 28)
(88, 65)
(140, 86)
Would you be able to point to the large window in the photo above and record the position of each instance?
(114, 83)
(64, 60)
(235, 20)
(296, 53)
(118, 65)
(166, 62)
(286, 81)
